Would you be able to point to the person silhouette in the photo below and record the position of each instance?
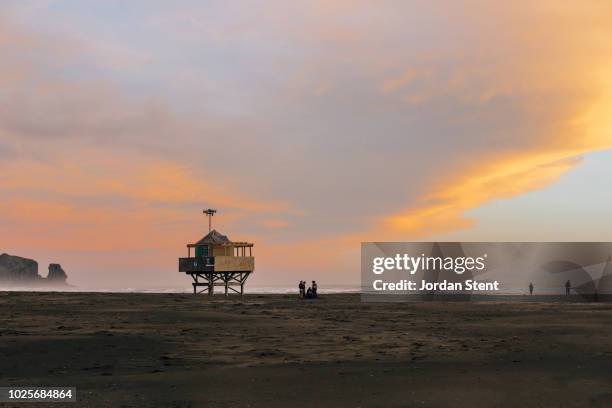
(531, 288)
(314, 289)
(302, 286)
(568, 286)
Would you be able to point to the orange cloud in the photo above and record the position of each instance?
(108, 201)
(442, 209)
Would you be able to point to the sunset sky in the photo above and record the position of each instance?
(311, 126)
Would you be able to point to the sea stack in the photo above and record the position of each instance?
(56, 274)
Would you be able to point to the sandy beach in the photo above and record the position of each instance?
(137, 350)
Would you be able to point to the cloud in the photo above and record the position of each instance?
(312, 125)
(107, 180)
(442, 210)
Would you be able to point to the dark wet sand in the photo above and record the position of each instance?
(141, 350)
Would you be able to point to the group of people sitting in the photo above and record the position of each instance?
(309, 293)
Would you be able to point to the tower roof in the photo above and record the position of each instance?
(214, 237)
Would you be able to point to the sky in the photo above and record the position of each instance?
(310, 125)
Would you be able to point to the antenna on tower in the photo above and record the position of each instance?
(209, 213)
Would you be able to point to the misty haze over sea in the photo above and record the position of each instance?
(184, 289)
(257, 290)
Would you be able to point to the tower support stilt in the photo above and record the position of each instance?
(231, 282)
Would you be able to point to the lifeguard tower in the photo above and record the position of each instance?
(217, 261)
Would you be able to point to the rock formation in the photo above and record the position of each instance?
(18, 269)
(56, 274)
(15, 270)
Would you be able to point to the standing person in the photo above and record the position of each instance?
(301, 287)
(314, 289)
(531, 288)
(568, 286)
